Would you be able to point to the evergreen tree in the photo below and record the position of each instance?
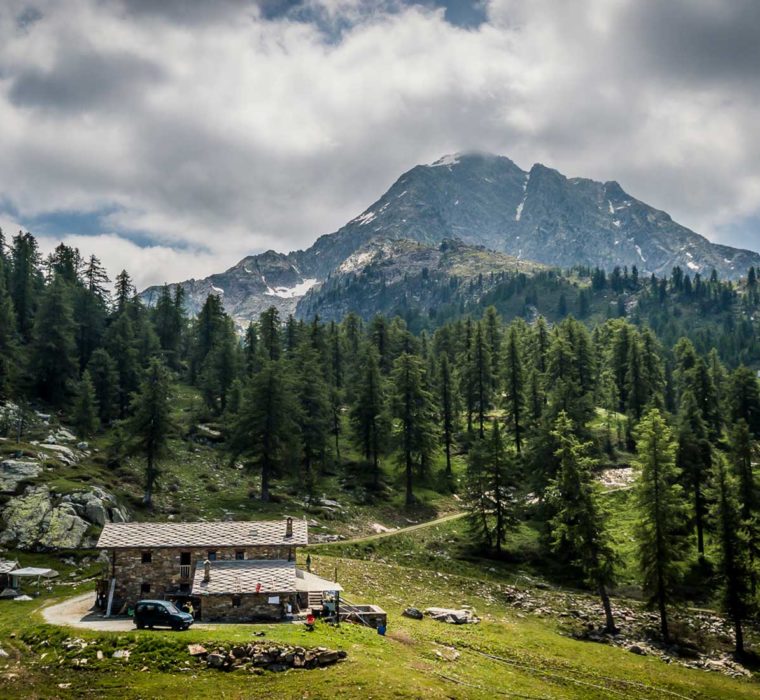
(314, 417)
(9, 347)
(168, 321)
(491, 489)
(478, 380)
(265, 430)
(447, 412)
(580, 525)
(150, 424)
(85, 413)
(120, 343)
(368, 415)
(251, 350)
(693, 459)
(514, 387)
(413, 408)
(744, 398)
(25, 282)
(661, 511)
(733, 561)
(124, 291)
(53, 354)
(104, 376)
(269, 333)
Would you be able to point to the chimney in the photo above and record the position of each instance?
(206, 571)
(289, 527)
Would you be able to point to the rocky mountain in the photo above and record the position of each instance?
(484, 201)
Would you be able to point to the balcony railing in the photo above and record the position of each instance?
(184, 571)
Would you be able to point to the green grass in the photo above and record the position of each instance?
(506, 655)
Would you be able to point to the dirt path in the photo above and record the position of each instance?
(400, 531)
(80, 612)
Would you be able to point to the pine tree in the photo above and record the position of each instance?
(121, 344)
(269, 333)
(478, 380)
(251, 350)
(693, 459)
(744, 398)
(314, 417)
(168, 322)
(53, 353)
(265, 430)
(580, 525)
(26, 282)
(733, 562)
(104, 376)
(413, 408)
(124, 291)
(368, 415)
(661, 511)
(150, 424)
(447, 412)
(491, 489)
(9, 347)
(85, 413)
(514, 387)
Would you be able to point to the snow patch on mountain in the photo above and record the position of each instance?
(292, 292)
(446, 161)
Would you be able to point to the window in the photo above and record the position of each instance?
(147, 557)
(211, 556)
(236, 601)
(240, 554)
(184, 588)
(144, 587)
(184, 558)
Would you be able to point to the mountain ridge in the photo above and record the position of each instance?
(487, 201)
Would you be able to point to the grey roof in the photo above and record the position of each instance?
(231, 577)
(32, 571)
(306, 582)
(249, 533)
(6, 566)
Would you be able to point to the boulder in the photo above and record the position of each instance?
(96, 512)
(63, 453)
(215, 660)
(414, 613)
(15, 471)
(33, 522)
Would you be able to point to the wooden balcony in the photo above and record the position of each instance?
(184, 571)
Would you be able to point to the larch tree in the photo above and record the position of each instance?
(150, 424)
(693, 459)
(662, 546)
(368, 414)
(412, 404)
(514, 387)
(733, 560)
(264, 430)
(447, 410)
(580, 524)
(85, 413)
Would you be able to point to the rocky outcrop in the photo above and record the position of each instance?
(41, 520)
(14, 472)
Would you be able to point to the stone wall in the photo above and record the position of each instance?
(253, 607)
(163, 573)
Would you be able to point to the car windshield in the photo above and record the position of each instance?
(171, 607)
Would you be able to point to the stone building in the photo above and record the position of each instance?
(231, 571)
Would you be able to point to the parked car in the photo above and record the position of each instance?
(161, 613)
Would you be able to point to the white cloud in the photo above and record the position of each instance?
(220, 132)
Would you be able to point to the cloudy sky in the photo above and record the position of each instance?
(175, 137)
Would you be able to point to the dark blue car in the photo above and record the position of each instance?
(161, 613)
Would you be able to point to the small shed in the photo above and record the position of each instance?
(6, 567)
